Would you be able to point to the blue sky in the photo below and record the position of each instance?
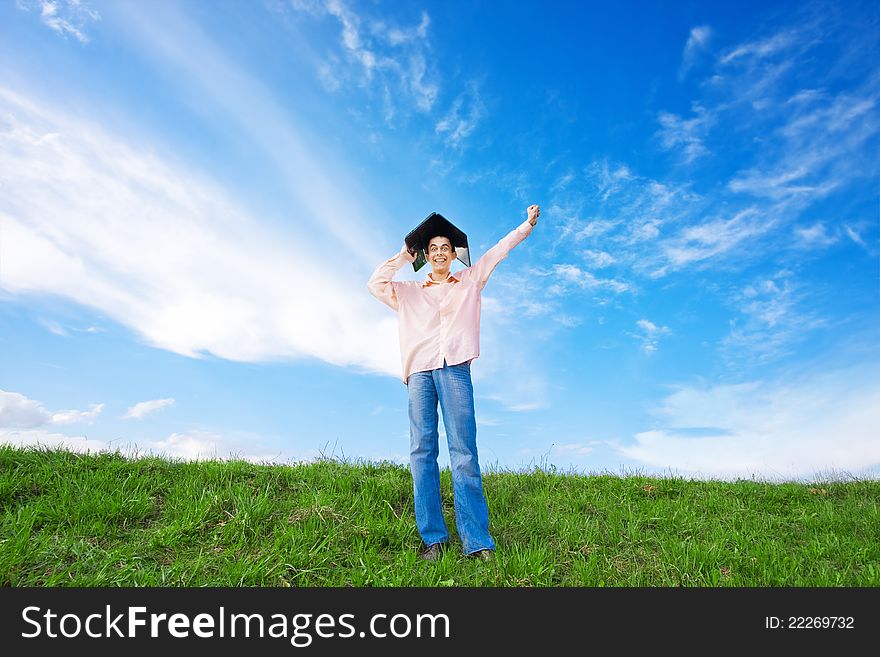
(193, 196)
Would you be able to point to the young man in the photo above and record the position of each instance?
(439, 328)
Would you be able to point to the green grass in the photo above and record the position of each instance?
(107, 520)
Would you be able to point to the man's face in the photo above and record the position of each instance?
(441, 254)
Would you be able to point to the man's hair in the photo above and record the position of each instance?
(444, 235)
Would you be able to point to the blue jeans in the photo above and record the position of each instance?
(451, 386)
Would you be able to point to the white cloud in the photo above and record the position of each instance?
(509, 370)
(762, 48)
(312, 177)
(854, 236)
(144, 408)
(793, 427)
(771, 320)
(424, 91)
(595, 228)
(572, 275)
(562, 182)
(817, 150)
(651, 328)
(715, 237)
(779, 184)
(815, 236)
(190, 446)
(607, 179)
(571, 449)
(512, 368)
(686, 135)
(649, 335)
(24, 422)
(169, 254)
(65, 17)
(626, 211)
(54, 327)
(397, 35)
(75, 417)
(462, 118)
(388, 59)
(598, 259)
(697, 42)
(43, 438)
(19, 412)
(518, 296)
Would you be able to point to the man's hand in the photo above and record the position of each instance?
(534, 212)
(406, 253)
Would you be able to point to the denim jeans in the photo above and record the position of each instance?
(451, 386)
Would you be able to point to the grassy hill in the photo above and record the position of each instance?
(107, 520)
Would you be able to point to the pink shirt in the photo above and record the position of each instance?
(440, 320)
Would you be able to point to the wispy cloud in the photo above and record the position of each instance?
(65, 17)
(608, 179)
(387, 59)
(245, 296)
(793, 427)
(772, 318)
(821, 147)
(778, 184)
(598, 259)
(144, 408)
(649, 334)
(715, 237)
(572, 449)
(54, 327)
(854, 236)
(761, 48)
(462, 118)
(697, 43)
(391, 68)
(613, 205)
(792, 134)
(171, 40)
(510, 369)
(571, 276)
(533, 293)
(563, 181)
(686, 135)
(815, 236)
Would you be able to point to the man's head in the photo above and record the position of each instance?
(441, 255)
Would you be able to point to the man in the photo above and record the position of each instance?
(439, 326)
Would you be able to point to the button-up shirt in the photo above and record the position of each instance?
(440, 320)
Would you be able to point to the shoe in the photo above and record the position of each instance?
(483, 555)
(433, 552)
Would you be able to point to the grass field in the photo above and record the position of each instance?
(106, 520)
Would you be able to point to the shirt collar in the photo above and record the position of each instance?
(452, 278)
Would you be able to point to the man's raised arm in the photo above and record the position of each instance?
(380, 284)
(484, 267)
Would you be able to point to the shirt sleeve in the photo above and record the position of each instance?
(484, 267)
(380, 284)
